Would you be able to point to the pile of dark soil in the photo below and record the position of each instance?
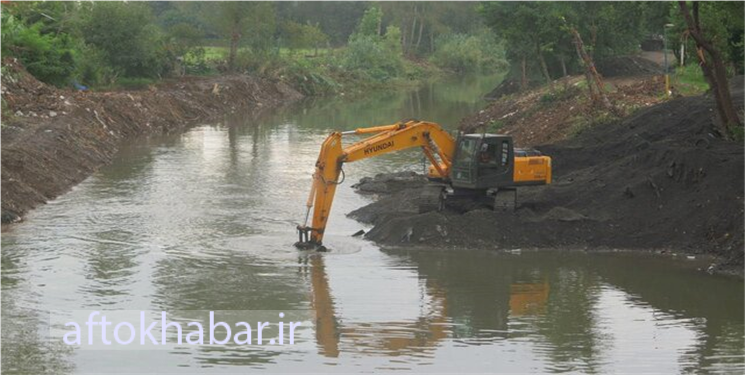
(388, 183)
(658, 180)
(508, 86)
(623, 66)
(53, 138)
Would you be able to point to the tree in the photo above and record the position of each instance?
(530, 30)
(712, 65)
(249, 23)
(127, 36)
(336, 19)
(422, 22)
(298, 36)
(48, 57)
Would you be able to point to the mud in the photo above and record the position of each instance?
(620, 66)
(660, 180)
(54, 138)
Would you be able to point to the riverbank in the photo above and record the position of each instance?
(658, 180)
(53, 139)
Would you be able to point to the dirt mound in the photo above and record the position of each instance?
(388, 183)
(660, 179)
(506, 87)
(543, 116)
(52, 138)
(624, 66)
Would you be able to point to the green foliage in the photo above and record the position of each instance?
(10, 27)
(130, 42)
(49, 57)
(535, 30)
(372, 56)
(94, 69)
(583, 123)
(378, 58)
(310, 78)
(495, 126)
(738, 133)
(254, 23)
(297, 36)
(337, 19)
(468, 53)
(721, 22)
(689, 80)
(370, 23)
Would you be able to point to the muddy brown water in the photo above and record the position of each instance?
(205, 221)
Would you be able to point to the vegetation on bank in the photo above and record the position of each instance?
(319, 48)
(548, 40)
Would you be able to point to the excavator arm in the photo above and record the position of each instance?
(438, 146)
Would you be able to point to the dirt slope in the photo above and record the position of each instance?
(658, 180)
(542, 116)
(54, 138)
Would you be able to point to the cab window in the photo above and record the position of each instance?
(466, 151)
(505, 153)
(488, 154)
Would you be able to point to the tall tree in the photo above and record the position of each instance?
(712, 64)
(243, 23)
(530, 29)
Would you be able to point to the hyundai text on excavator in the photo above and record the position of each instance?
(483, 168)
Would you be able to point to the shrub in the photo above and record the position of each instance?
(48, 57)
(130, 41)
(92, 69)
(468, 53)
(378, 58)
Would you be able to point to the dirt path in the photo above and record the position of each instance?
(55, 138)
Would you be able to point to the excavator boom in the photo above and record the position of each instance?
(437, 145)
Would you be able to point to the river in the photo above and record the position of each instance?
(205, 220)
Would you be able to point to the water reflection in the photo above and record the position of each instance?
(393, 338)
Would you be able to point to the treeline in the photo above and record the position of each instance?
(540, 42)
(553, 39)
(316, 44)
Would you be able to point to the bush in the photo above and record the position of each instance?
(468, 53)
(130, 41)
(310, 78)
(48, 57)
(379, 58)
(93, 70)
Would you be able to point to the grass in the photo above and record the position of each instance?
(689, 80)
(582, 123)
(123, 83)
(496, 125)
(216, 53)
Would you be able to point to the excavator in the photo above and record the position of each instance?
(483, 168)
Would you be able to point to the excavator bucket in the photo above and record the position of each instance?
(305, 242)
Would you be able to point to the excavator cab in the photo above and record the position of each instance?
(483, 161)
(486, 169)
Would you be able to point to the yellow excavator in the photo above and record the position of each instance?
(484, 168)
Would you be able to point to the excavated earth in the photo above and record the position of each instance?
(52, 138)
(660, 180)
